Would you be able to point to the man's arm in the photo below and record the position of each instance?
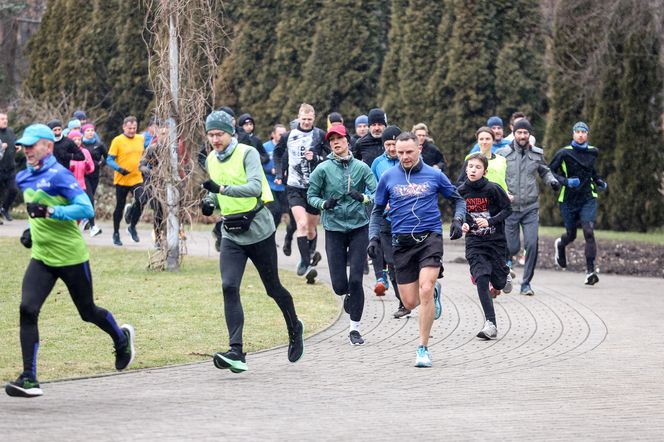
(280, 150)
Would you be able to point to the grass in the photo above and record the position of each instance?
(178, 317)
(650, 237)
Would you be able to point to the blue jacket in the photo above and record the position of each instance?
(267, 167)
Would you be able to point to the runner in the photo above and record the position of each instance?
(54, 202)
(238, 185)
(98, 153)
(411, 190)
(487, 208)
(341, 187)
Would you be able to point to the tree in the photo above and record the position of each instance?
(389, 95)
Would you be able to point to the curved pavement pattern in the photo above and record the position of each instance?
(571, 363)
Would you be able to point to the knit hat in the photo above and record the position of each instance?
(54, 123)
(87, 126)
(580, 125)
(244, 118)
(80, 115)
(377, 116)
(219, 120)
(74, 124)
(494, 121)
(362, 119)
(338, 129)
(523, 124)
(390, 133)
(74, 134)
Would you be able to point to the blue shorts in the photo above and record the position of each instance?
(573, 214)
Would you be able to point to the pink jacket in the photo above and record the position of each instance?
(82, 168)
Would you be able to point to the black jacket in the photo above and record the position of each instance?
(487, 200)
(7, 164)
(571, 162)
(432, 155)
(65, 151)
(368, 148)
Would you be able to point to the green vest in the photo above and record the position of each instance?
(231, 172)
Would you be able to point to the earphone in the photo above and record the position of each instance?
(412, 209)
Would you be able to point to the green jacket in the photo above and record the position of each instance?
(334, 178)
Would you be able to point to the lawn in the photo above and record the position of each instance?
(178, 317)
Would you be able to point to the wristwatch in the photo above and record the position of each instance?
(50, 210)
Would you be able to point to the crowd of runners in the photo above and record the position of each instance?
(375, 194)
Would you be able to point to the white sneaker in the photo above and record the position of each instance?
(488, 332)
(95, 230)
(508, 284)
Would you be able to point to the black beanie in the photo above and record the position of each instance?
(244, 118)
(54, 123)
(377, 116)
(390, 133)
(522, 124)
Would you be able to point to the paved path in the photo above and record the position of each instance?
(571, 363)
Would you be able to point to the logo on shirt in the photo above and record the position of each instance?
(411, 190)
(42, 183)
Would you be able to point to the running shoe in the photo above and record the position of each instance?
(423, 358)
(310, 275)
(287, 246)
(355, 338)
(7, 215)
(126, 213)
(296, 342)
(95, 230)
(24, 386)
(489, 331)
(592, 278)
(401, 312)
(232, 359)
(131, 230)
(116, 239)
(438, 307)
(381, 287)
(315, 258)
(124, 355)
(301, 268)
(508, 284)
(510, 264)
(526, 289)
(561, 259)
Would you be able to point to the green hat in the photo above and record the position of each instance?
(219, 120)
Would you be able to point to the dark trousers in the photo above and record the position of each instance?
(232, 262)
(121, 193)
(91, 183)
(8, 187)
(529, 222)
(38, 282)
(351, 247)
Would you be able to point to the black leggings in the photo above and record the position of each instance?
(485, 299)
(38, 282)
(591, 247)
(121, 193)
(232, 262)
(342, 247)
(91, 184)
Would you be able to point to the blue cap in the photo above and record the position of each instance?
(74, 123)
(34, 133)
(362, 119)
(580, 125)
(494, 121)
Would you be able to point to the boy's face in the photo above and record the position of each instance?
(475, 169)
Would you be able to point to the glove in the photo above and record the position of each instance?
(573, 182)
(122, 171)
(555, 185)
(207, 207)
(601, 185)
(455, 230)
(372, 249)
(331, 203)
(356, 195)
(36, 210)
(211, 186)
(26, 239)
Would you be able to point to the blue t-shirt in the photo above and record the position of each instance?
(499, 145)
(267, 167)
(413, 198)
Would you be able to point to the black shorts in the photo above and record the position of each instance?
(412, 254)
(488, 262)
(298, 197)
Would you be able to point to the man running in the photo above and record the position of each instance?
(7, 167)
(238, 185)
(411, 189)
(54, 202)
(341, 188)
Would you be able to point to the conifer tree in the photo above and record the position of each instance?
(389, 95)
(436, 88)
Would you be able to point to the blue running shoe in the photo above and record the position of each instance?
(423, 359)
(438, 307)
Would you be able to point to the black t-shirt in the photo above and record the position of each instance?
(485, 199)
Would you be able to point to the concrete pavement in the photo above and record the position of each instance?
(571, 363)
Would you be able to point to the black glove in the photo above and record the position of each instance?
(26, 239)
(207, 207)
(555, 185)
(455, 229)
(374, 246)
(330, 203)
(122, 171)
(36, 210)
(356, 195)
(211, 186)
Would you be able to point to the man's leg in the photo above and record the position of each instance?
(587, 216)
(120, 201)
(232, 263)
(512, 233)
(530, 222)
(301, 219)
(9, 185)
(139, 201)
(426, 282)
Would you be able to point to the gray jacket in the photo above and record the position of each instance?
(521, 175)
